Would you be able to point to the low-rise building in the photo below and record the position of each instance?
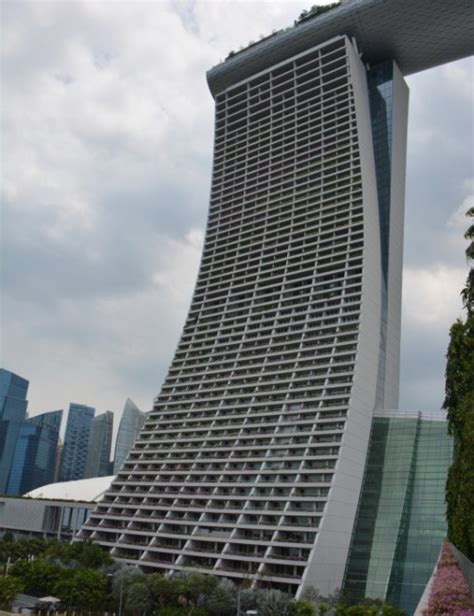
(57, 510)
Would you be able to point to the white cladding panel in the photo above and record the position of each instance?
(327, 565)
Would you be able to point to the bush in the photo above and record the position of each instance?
(301, 608)
(9, 586)
(272, 603)
(450, 592)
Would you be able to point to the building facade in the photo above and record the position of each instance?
(251, 463)
(400, 523)
(55, 511)
(13, 405)
(131, 423)
(34, 459)
(99, 445)
(76, 440)
(278, 371)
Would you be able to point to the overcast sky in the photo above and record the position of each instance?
(107, 129)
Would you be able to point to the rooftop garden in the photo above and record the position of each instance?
(315, 11)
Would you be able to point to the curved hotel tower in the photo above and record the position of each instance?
(251, 463)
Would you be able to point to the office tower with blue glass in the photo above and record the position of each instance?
(76, 441)
(131, 423)
(34, 458)
(13, 405)
(99, 445)
(251, 463)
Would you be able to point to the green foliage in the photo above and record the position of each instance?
(83, 589)
(79, 574)
(368, 607)
(272, 603)
(459, 402)
(389, 610)
(458, 375)
(301, 608)
(468, 291)
(248, 599)
(9, 586)
(66, 571)
(21, 549)
(221, 602)
(196, 587)
(39, 577)
(311, 594)
(138, 598)
(123, 582)
(80, 554)
(339, 604)
(164, 591)
(460, 483)
(181, 611)
(315, 10)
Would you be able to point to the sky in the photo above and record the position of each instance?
(106, 151)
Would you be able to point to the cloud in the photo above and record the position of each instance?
(94, 351)
(432, 296)
(107, 151)
(440, 159)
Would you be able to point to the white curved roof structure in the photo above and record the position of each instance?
(88, 490)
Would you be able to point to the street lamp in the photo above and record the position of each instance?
(121, 594)
(110, 576)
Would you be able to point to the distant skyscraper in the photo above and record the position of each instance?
(76, 440)
(59, 452)
(34, 459)
(13, 403)
(130, 425)
(98, 449)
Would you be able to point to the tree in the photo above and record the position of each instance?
(9, 587)
(84, 589)
(223, 599)
(79, 554)
(301, 608)
(139, 598)
(196, 587)
(459, 403)
(248, 599)
(272, 603)
(124, 579)
(164, 591)
(38, 576)
(311, 594)
(368, 607)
